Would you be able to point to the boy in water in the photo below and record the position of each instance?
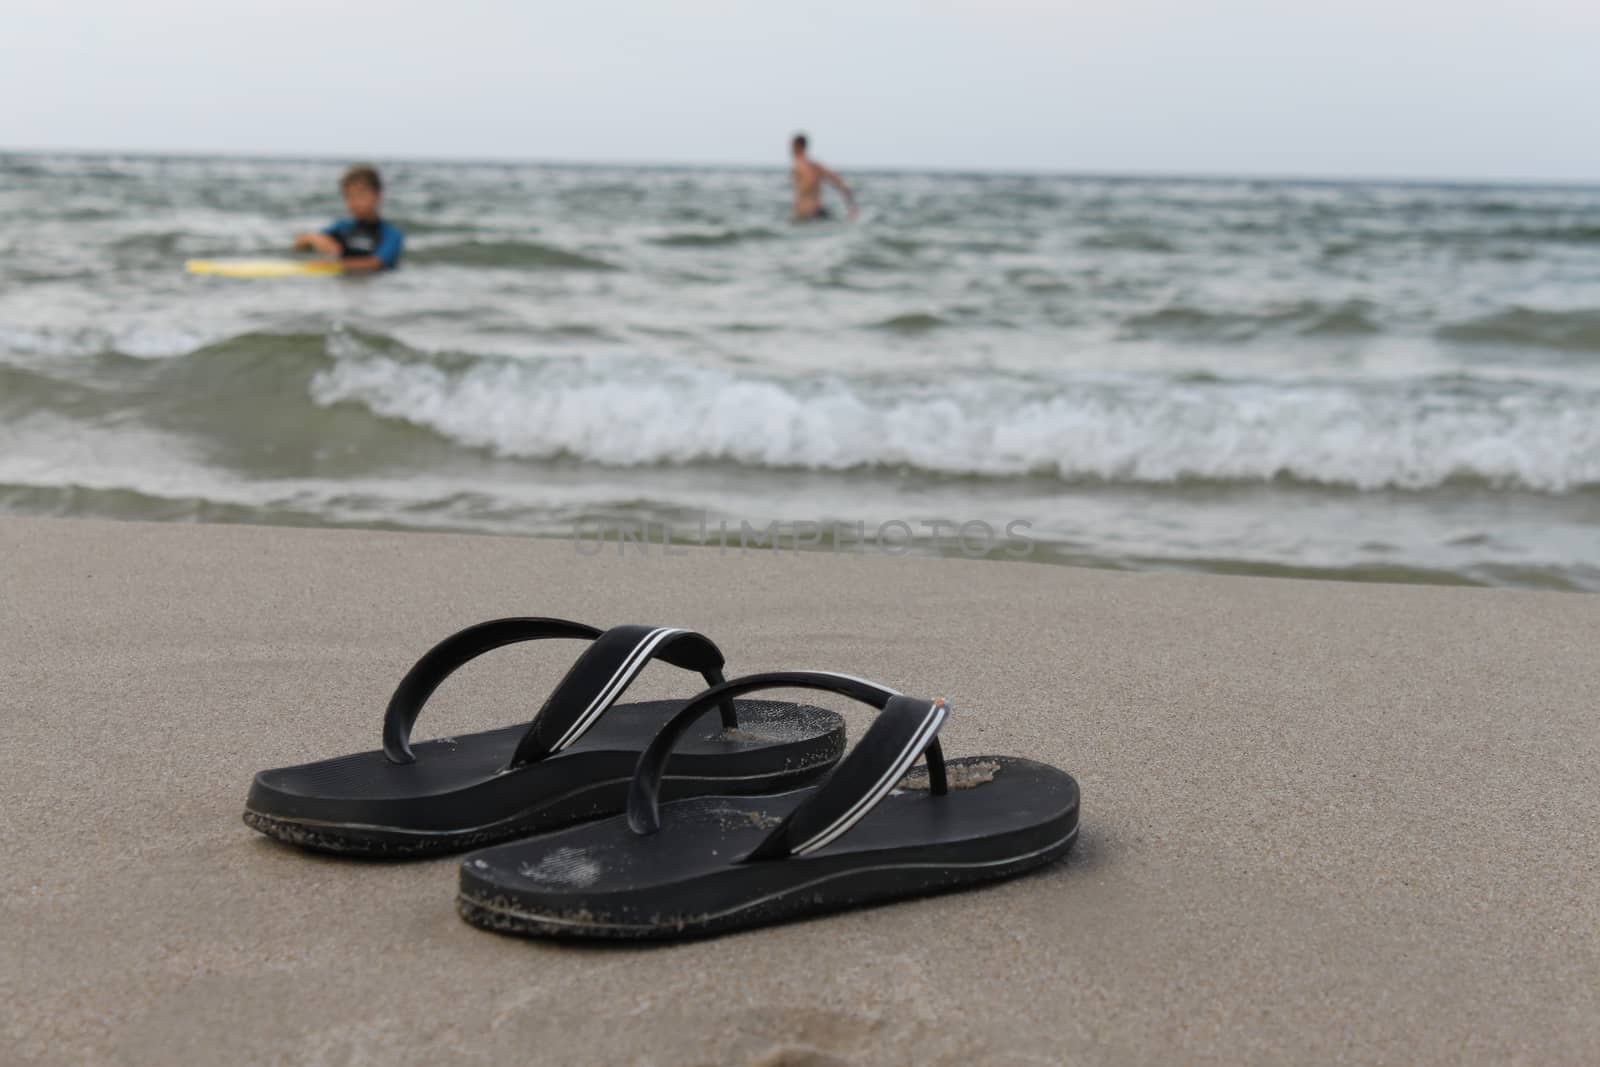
(363, 243)
(809, 176)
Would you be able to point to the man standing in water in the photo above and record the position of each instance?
(809, 176)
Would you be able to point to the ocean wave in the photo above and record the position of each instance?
(370, 398)
(24, 390)
(1578, 233)
(1495, 242)
(1566, 331)
(1308, 318)
(714, 238)
(413, 225)
(518, 255)
(1407, 435)
(136, 341)
(913, 323)
(161, 242)
(1129, 241)
(247, 398)
(901, 246)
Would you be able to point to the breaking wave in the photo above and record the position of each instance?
(1409, 435)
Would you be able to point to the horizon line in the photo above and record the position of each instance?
(867, 168)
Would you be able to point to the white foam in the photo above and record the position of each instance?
(1396, 434)
(140, 340)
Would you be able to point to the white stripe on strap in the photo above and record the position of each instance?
(608, 694)
(897, 770)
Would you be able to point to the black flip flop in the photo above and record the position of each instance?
(572, 762)
(870, 832)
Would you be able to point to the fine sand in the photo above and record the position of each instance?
(1321, 822)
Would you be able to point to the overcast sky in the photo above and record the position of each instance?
(1403, 88)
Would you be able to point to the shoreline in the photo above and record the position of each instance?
(1046, 552)
(1322, 820)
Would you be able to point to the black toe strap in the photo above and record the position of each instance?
(454, 652)
(906, 728)
(593, 684)
(604, 671)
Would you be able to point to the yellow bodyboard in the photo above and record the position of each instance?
(262, 268)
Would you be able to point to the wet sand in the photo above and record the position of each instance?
(1322, 822)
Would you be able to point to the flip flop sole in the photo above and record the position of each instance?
(1003, 816)
(595, 801)
(832, 893)
(458, 794)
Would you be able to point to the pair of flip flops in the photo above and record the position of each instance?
(671, 818)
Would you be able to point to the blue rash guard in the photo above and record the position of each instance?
(377, 238)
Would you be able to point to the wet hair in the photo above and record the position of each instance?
(799, 142)
(362, 174)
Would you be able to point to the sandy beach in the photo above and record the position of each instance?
(1322, 822)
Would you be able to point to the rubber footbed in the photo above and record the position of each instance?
(449, 764)
(601, 872)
